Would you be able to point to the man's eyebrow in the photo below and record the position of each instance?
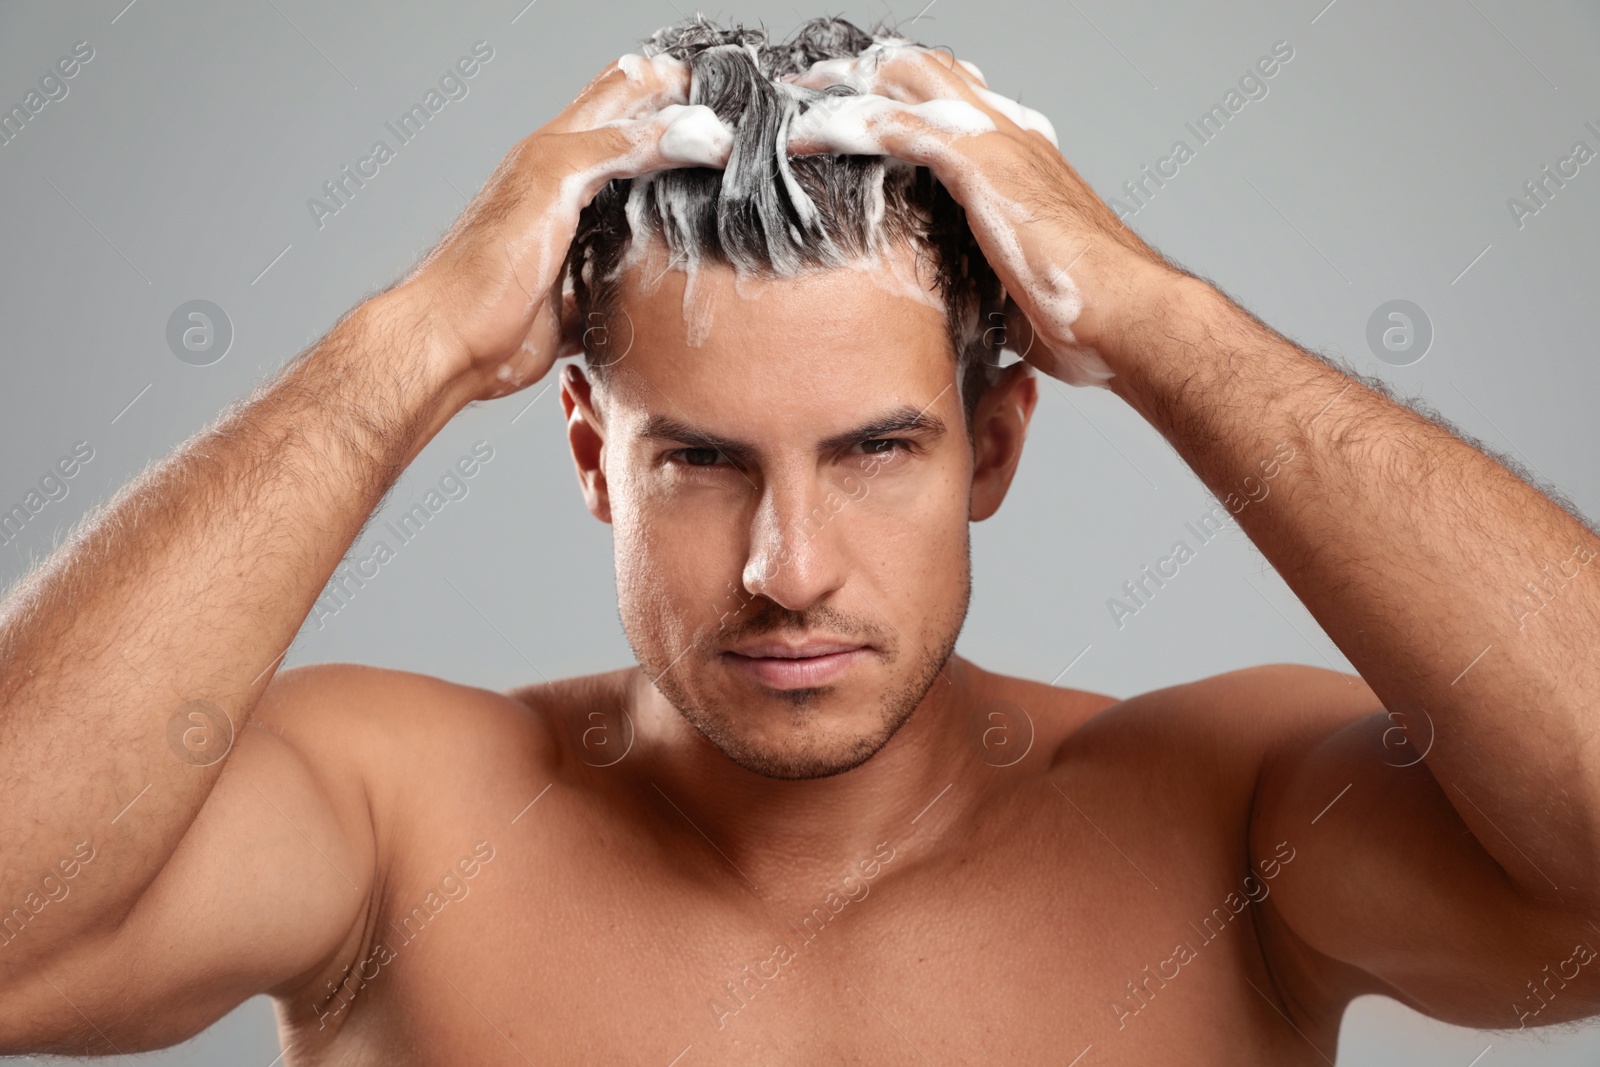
(665, 427)
(905, 419)
(902, 420)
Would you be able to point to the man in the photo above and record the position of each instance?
(801, 830)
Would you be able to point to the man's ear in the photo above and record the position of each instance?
(586, 436)
(999, 426)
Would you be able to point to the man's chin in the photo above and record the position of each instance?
(791, 762)
(794, 730)
(793, 734)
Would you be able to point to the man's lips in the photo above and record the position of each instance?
(803, 665)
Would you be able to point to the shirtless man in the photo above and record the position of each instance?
(796, 833)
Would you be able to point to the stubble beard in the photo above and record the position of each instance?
(715, 720)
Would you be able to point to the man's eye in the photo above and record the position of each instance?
(880, 446)
(699, 457)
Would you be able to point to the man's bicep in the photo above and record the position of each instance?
(270, 883)
(1388, 879)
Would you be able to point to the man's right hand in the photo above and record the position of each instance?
(187, 588)
(492, 288)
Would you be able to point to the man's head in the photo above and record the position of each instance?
(792, 411)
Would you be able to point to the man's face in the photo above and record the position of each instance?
(790, 497)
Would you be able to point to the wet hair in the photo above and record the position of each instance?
(772, 215)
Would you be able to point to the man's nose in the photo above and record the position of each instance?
(795, 558)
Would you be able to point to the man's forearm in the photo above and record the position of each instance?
(1461, 594)
(189, 585)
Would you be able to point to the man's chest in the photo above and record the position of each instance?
(1043, 938)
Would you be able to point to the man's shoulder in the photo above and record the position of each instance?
(1244, 714)
(348, 714)
(356, 692)
(1282, 690)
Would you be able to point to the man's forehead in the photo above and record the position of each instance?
(831, 348)
(890, 293)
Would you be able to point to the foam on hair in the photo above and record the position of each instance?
(768, 214)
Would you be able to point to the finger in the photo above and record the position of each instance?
(1024, 117)
(948, 61)
(540, 190)
(865, 124)
(914, 72)
(678, 135)
(913, 75)
(632, 87)
(908, 73)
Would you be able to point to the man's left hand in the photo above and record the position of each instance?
(1073, 272)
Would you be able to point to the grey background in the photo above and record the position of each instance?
(1378, 167)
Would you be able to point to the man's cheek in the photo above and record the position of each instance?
(903, 518)
(914, 549)
(683, 565)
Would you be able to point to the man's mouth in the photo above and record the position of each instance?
(796, 665)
